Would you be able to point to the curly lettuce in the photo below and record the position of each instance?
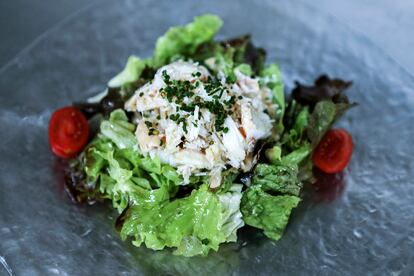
(184, 40)
(130, 73)
(269, 201)
(193, 225)
(177, 41)
(145, 188)
(120, 172)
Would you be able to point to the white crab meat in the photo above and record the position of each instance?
(146, 142)
(234, 144)
(194, 140)
(256, 125)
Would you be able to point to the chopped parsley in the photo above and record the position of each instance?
(196, 74)
(174, 117)
(178, 91)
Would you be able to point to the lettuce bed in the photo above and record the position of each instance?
(155, 208)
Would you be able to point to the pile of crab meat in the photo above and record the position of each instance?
(190, 140)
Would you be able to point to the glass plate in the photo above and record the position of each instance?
(369, 228)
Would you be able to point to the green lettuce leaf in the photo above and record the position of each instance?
(245, 69)
(125, 182)
(265, 211)
(193, 225)
(274, 154)
(130, 73)
(120, 172)
(92, 159)
(232, 53)
(281, 179)
(272, 77)
(326, 102)
(119, 130)
(225, 63)
(295, 135)
(268, 202)
(324, 115)
(230, 210)
(184, 40)
(223, 60)
(246, 53)
(177, 41)
(297, 156)
(322, 118)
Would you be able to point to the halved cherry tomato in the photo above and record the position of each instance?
(68, 132)
(334, 151)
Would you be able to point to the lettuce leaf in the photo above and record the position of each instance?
(230, 210)
(295, 133)
(280, 179)
(322, 118)
(268, 202)
(193, 225)
(245, 52)
(245, 69)
(324, 88)
(265, 211)
(297, 156)
(180, 40)
(325, 101)
(123, 177)
(120, 172)
(130, 73)
(225, 63)
(184, 40)
(119, 130)
(272, 77)
(237, 53)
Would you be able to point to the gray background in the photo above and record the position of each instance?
(388, 23)
(368, 230)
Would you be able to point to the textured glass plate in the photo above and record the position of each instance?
(368, 229)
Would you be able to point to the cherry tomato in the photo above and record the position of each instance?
(68, 132)
(334, 151)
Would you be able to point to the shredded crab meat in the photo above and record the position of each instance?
(213, 127)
